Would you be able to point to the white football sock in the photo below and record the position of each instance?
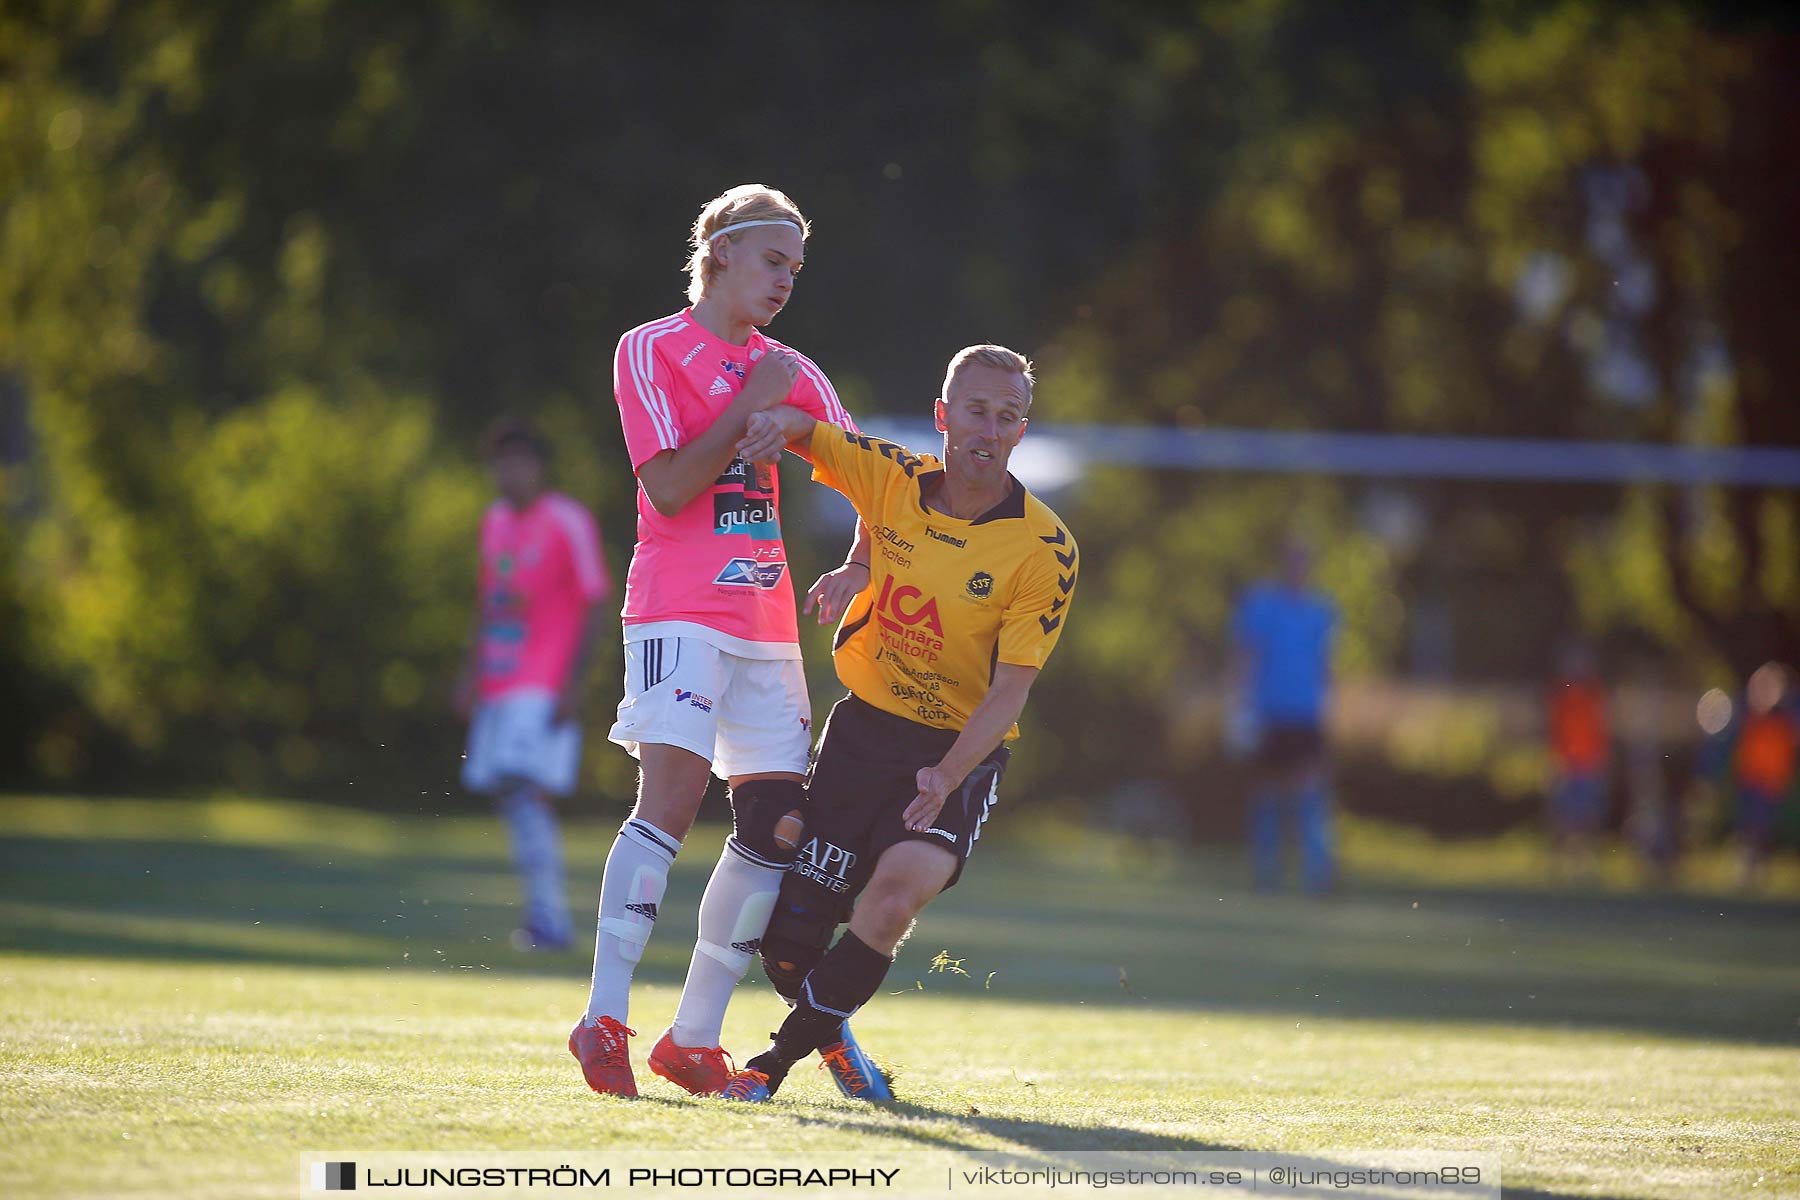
(733, 915)
(637, 872)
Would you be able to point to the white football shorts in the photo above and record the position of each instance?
(746, 716)
(515, 739)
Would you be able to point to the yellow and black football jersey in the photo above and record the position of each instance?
(947, 599)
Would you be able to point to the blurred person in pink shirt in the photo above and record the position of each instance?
(541, 580)
(713, 679)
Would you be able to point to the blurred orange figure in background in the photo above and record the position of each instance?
(1580, 738)
(1765, 762)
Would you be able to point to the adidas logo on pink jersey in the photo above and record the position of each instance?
(719, 387)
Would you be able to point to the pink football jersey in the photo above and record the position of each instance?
(540, 571)
(719, 562)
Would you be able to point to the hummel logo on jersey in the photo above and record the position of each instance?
(719, 387)
(747, 572)
(642, 910)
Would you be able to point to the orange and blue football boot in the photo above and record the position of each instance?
(749, 1085)
(854, 1072)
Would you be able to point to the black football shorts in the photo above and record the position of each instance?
(864, 778)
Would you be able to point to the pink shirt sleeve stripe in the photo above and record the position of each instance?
(635, 375)
(647, 367)
(834, 408)
(645, 432)
(656, 400)
(583, 535)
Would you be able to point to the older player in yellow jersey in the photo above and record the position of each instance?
(970, 582)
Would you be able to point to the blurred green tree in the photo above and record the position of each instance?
(265, 269)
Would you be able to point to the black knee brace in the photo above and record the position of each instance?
(799, 932)
(767, 816)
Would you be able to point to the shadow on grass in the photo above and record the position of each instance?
(1024, 930)
(305, 906)
(1030, 1145)
(941, 1129)
(1664, 964)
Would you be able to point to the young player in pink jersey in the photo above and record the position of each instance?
(713, 680)
(541, 580)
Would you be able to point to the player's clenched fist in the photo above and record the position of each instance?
(771, 378)
(767, 433)
(763, 439)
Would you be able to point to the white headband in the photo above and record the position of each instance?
(752, 225)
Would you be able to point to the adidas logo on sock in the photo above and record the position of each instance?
(719, 387)
(749, 947)
(642, 910)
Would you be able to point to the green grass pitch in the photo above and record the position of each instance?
(232, 982)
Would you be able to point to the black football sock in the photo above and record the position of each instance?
(845, 978)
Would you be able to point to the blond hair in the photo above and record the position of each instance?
(745, 202)
(991, 356)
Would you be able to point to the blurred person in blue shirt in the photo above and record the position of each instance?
(1281, 665)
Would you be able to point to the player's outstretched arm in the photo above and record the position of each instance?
(768, 433)
(672, 478)
(986, 728)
